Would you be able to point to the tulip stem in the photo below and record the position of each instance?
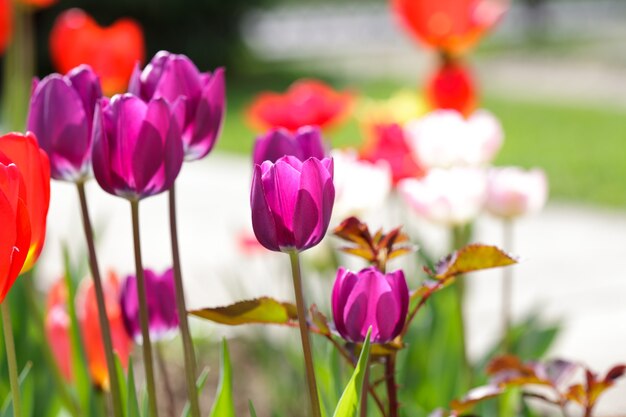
(102, 314)
(171, 398)
(507, 288)
(460, 237)
(189, 354)
(11, 359)
(143, 312)
(304, 333)
(392, 389)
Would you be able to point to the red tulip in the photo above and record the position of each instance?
(6, 24)
(388, 143)
(33, 165)
(112, 52)
(14, 224)
(305, 103)
(449, 25)
(452, 88)
(57, 328)
(87, 314)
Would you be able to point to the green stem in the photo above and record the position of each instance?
(11, 359)
(103, 318)
(392, 389)
(143, 312)
(304, 333)
(171, 398)
(19, 67)
(460, 238)
(507, 288)
(189, 354)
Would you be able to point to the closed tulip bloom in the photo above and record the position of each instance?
(87, 314)
(15, 225)
(444, 139)
(161, 294)
(370, 298)
(292, 202)
(447, 196)
(61, 116)
(514, 192)
(171, 76)
(304, 143)
(34, 169)
(137, 150)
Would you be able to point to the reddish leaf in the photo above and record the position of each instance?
(320, 320)
(263, 310)
(615, 373)
(472, 258)
(474, 396)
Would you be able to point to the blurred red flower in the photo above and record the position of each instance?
(306, 103)
(452, 87)
(388, 143)
(87, 314)
(112, 52)
(6, 24)
(34, 167)
(449, 25)
(38, 3)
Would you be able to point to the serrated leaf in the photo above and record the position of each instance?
(264, 310)
(472, 258)
(224, 405)
(350, 399)
(200, 383)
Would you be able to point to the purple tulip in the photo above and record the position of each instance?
(161, 295)
(171, 76)
(307, 142)
(292, 202)
(137, 150)
(370, 298)
(61, 117)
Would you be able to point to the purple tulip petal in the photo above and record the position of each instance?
(134, 84)
(281, 188)
(262, 219)
(273, 145)
(310, 142)
(100, 152)
(87, 85)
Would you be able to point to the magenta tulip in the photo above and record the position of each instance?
(292, 202)
(163, 317)
(367, 299)
(137, 150)
(172, 76)
(61, 116)
(305, 143)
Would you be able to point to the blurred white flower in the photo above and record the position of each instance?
(513, 192)
(444, 138)
(361, 187)
(449, 196)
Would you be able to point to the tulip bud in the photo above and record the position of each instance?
(137, 150)
(513, 192)
(305, 143)
(172, 76)
(161, 296)
(370, 298)
(61, 116)
(292, 202)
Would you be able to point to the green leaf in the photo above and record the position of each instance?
(224, 405)
(349, 401)
(7, 406)
(472, 258)
(132, 404)
(251, 408)
(262, 310)
(200, 383)
(121, 376)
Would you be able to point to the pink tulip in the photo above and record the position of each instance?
(444, 139)
(514, 192)
(452, 197)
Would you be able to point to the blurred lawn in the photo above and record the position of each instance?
(582, 148)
